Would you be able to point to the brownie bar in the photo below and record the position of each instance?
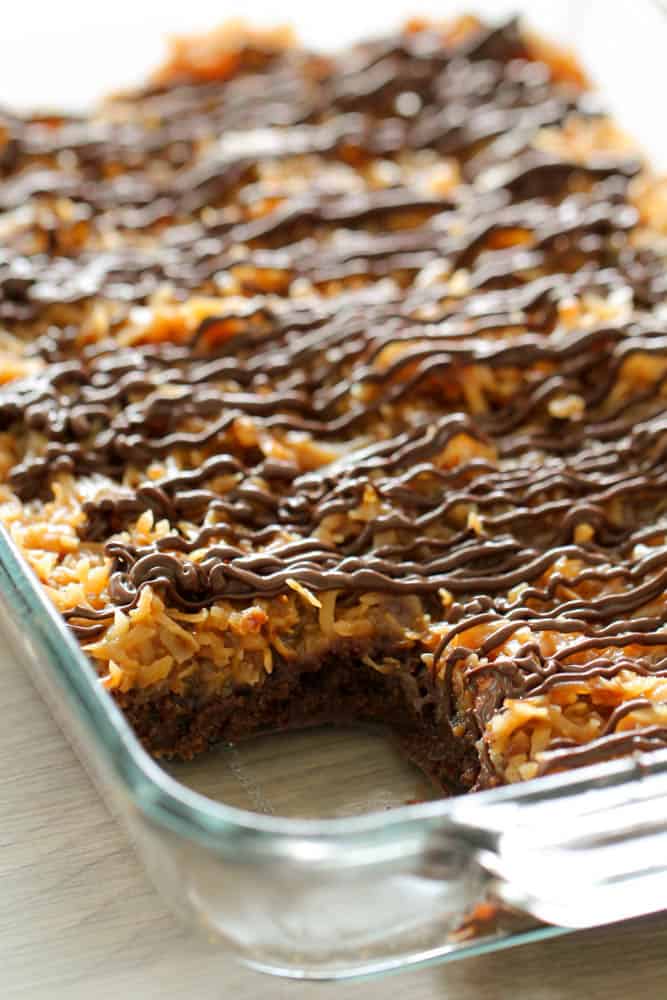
(333, 386)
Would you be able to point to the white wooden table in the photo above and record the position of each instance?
(79, 919)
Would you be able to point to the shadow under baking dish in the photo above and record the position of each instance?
(318, 773)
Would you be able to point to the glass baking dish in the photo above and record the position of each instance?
(318, 854)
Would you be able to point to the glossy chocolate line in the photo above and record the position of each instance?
(605, 748)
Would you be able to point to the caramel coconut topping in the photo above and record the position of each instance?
(336, 384)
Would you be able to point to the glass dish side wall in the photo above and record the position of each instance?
(313, 898)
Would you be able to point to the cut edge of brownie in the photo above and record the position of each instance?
(338, 688)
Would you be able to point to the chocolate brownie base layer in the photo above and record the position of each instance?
(309, 695)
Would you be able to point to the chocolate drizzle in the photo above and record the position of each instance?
(386, 374)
